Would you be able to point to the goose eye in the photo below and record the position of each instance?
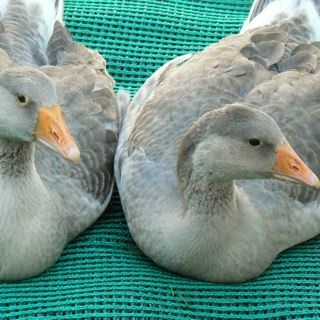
(22, 99)
(255, 142)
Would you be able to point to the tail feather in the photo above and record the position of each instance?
(3, 7)
(27, 26)
(266, 12)
(59, 41)
(257, 7)
(59, 5)
(43, 13)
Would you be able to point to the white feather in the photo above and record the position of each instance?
(286, 8)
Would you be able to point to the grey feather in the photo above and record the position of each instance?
(20, 37)
(187, 225)
(88, 101)
(46, 201)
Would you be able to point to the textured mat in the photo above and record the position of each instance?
(101, 274)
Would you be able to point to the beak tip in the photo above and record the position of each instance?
(52, 131)
(313, 180)
(289, 166)
(73, 154)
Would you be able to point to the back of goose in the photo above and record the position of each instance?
(88, 101)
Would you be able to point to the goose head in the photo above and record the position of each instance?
(240, 142)
(30, 111)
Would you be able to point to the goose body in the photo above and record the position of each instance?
(198, 147)
(45, 201)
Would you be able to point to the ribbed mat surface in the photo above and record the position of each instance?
(101, 274)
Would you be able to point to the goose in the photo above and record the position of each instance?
(211, 163)
(56, 93)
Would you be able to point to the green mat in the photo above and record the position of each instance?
(102, 274)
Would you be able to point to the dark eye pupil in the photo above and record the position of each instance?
(21, 98)
(255, 142)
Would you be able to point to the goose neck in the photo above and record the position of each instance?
(16, 158)
(204, 196)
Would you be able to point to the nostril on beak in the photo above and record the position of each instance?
(295, 167)
(55, 135)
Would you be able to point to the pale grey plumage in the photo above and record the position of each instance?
(56, 200)
(235, 229)
(85, 92)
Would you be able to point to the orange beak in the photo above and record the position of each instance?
(52, 131)
(289, 166)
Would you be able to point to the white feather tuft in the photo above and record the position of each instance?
(285, 8)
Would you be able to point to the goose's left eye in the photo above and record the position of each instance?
(255, 142)
(22, 99)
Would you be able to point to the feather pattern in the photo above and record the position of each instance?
(57, 200)
(271, 68)
(87, 98)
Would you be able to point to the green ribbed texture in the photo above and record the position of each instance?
(102, 274)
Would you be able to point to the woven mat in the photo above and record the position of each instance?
(102, 274)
